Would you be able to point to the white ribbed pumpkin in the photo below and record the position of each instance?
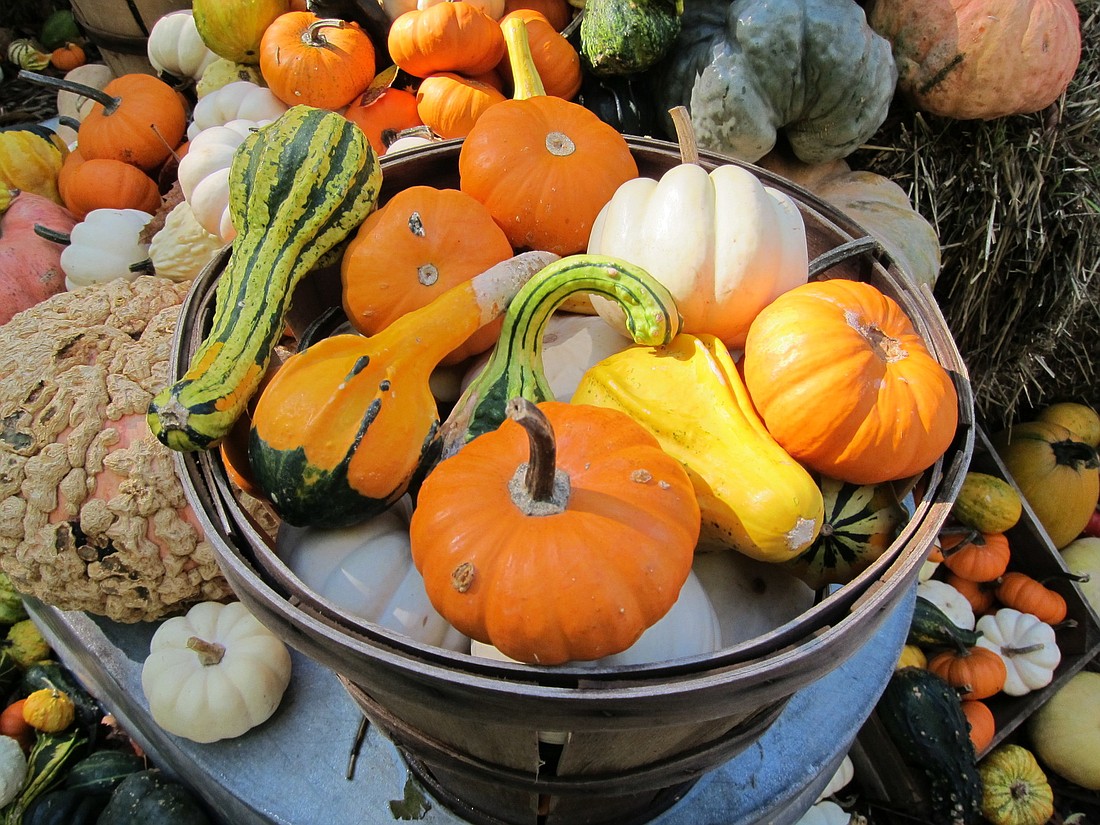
(176, 48)
(239, 100)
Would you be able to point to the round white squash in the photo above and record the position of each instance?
(1065, 731)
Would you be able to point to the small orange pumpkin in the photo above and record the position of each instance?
(579, 537)
(542, 165)
(102, 183)
(422, 242)
(556, 60)
(67, 57)
(977, 671)
(983, 726)
(450, 104)
(383, 110)
(558, 12)
(315, 61)
(446, 37)
(1029, 595)
(845, 384)
(981, 595)
(979, 557)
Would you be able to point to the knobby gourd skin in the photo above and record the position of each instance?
(515, 366)
(297, 187)
(754, 497)
(343, 426)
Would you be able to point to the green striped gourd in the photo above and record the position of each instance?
(297, 188)
(860, 523)
(515, 366)
(343, 426)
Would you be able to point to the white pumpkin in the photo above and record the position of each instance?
(104, 246)
(175, 47)
(743, 246)
(72, 105)
(182, 247)
(239, 100)
(214, 673)
(396, 8)
(203, 174)
(571, 344)
(1065, 730)
(948, 599)
(825, 812)
(1027, 645)
(367, 570)
(13, 769)
(845, 773)
(751, 597)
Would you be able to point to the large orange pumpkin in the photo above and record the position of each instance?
(542, 165)
(846, 385)
(560, 536)
(420, 244)
(315, 61)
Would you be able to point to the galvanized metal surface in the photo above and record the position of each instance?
(291, 770)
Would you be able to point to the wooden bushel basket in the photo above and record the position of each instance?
(120, 29)
(635, 738)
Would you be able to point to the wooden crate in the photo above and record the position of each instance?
(882, 771)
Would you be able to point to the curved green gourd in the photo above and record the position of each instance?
(515, 365)
(297, 188)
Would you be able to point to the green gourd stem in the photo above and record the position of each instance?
(685, 134)
(109, 102)
(54, 235)
(525, 77)
(515, 366)
(297, 188)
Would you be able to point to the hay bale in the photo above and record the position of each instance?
(1016, 204)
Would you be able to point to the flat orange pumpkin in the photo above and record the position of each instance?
(846, 385)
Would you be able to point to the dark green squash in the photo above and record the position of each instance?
(102, 771)
(860, 524)
(621, 102)
(923, 717)
(297, 188)
(931, 627)
(148, 797)
(65, 806)
(626, 37)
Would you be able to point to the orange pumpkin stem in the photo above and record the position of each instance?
(209, 653)
(538, 488)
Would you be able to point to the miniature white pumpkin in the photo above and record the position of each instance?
(239, 100)
(175, 46)
(367, 570)
(104, 246)
(13, 769)
(948, 599)
(214, 673)
(1027, 645)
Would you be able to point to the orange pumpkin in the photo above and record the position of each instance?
(101, 183)
(976, 671)
(981, 595)
(315, 61)
(1029, 595)
(979, 557)
(137, 119)
(421, 243)
(556, 60)
(542, 165)
(446, 37)
(578, 538)
(382, 111)
(846, 385)
(983, 726)
(558, 12)
(450, 104)
(67, 57)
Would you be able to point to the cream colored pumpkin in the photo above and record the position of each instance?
(1065, 730)
(174, 46)
(724, 244)
(182, 248)
(72, 105)
(1082, 557)
(204, 174)
(367, 571)
(239, 100)
(104, 246)
(214, 673)
(1027, 645)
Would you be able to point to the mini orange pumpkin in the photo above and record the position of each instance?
(422, 242)
(1029, 595)
(137, 119)
(446, 37)
(981, 595)
(322, 62)
(979, 557)
(383, 110)
(102, 183)
(845, 384)
(983, 725)
(976, 671)
(542, 165)
(67, 57)
(556, 60)
(450, 104)
(578, 538)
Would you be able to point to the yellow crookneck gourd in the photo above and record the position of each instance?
(753, 496)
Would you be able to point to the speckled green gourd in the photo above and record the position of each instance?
(626, 37)
(297, 188)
